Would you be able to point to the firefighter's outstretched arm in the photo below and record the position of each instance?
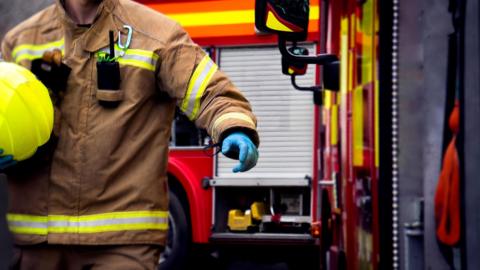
(208, 97)
(238, 145)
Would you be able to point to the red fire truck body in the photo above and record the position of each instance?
(189, 167)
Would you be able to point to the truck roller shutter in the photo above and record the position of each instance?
(285, 116)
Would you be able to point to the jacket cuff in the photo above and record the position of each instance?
(230, 122)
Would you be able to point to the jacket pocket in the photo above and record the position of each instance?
(108, 83)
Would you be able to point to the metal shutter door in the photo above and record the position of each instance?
(285, 115)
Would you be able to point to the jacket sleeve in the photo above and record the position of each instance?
(203, 92)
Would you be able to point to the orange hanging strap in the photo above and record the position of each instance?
(447, 195)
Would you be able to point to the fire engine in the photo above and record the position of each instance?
(330, 177)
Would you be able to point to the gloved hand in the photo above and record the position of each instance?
(239, 143)
(6, 161)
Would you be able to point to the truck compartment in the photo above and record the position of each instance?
(275, 210)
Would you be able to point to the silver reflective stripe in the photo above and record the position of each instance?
(26, 224)
(96, 223)
(31, 54)
(199, 81)
(129, 56)
(197, 86)
(141, 58)
(135, 57)
(90, 223)
(37, 52)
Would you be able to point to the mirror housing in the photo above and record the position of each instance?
(290, 67)
(286, 18)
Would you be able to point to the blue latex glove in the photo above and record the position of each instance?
(239, 143)
(6, 161)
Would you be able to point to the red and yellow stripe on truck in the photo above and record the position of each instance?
(223, 22)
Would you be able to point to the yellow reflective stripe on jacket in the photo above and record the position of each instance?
(135, 57)
(105, 222)
(35, 51)
(229, 116)
(196, 87)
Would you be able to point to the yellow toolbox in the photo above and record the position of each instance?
(241, 221)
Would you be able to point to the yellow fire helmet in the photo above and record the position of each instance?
(26, 112)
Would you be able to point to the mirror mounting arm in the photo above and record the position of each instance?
(320, 59)
(316, 90)
(302, 88)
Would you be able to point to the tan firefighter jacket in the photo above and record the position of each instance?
(104, 180)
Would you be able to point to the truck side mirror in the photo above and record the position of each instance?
(287, 18)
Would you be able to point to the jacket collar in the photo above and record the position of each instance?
(96, 37)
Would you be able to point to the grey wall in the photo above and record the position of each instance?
(424, 29)
(435, 41)
(15, 11)
(472, 138)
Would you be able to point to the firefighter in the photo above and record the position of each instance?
(96, 196)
